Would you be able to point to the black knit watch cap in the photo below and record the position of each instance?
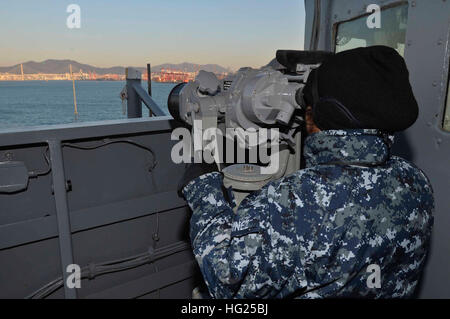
(362, 88)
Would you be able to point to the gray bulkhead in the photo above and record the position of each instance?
(112, 207)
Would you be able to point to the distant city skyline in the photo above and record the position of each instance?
(62, 70)
(232, 33)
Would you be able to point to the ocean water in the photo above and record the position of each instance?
(31, 103)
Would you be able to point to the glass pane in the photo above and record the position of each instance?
(447, 111)
(354, 34)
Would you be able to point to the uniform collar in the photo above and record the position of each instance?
(366, 147)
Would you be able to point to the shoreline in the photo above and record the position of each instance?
(55, 80)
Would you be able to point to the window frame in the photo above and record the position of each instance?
(366, 14)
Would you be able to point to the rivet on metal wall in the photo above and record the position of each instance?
(413, 4)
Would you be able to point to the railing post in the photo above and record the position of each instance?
(149, 85)
(134, 103)
(149, 79)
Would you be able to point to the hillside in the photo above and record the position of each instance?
(62, 66)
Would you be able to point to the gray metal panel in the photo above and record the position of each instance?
(134, 236)
(117, 208)
(28, 267)
(28, 231)
(429, 23)
(39, 192)
(426, 144)
(86, 130)
(144, 285)
(37, 229)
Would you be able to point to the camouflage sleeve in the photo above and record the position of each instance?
(229, 246)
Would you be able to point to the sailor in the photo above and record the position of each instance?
(356, 222)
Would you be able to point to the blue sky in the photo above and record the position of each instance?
(231, 33)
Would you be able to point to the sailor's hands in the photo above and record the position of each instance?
(193, 171)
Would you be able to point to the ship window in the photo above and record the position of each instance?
(447, 111)
(356, 33)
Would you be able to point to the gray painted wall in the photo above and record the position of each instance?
(115, 206)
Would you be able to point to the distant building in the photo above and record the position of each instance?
(165, 75)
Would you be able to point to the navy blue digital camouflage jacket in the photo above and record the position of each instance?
(322, 231)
